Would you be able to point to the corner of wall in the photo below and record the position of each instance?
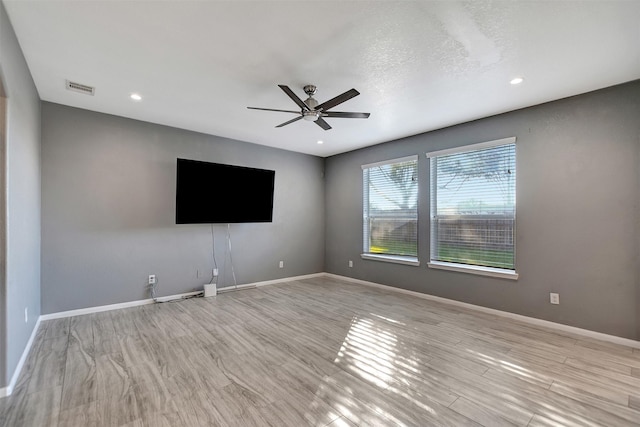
(3, 233)
(21, 170)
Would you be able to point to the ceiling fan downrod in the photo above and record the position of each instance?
(312, 115)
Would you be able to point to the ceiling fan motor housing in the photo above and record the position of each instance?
(311, 103)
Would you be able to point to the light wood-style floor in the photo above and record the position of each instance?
(318, 352)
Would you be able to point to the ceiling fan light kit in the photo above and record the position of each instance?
(312, 111)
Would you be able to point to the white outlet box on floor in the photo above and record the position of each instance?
(554, 298)
(210, 290)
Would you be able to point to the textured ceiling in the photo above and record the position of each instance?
(419, 66)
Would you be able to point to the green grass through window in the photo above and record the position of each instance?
(394, 248)
(484, 257)
(450, 253)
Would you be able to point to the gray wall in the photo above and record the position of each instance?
(3, 237)
(577, 219)
(108, 212)
(22, 169)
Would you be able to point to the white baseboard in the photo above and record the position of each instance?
(273, 282)
(6, 391)
(531, 320)
(100, 308)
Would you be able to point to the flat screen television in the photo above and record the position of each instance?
(210, 193)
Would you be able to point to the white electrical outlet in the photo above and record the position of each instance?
(281, 264)
(215, 272)
(350, 264)
(26, 314)
(554, 298)
(152, 279)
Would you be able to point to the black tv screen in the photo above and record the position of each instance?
(208, 193)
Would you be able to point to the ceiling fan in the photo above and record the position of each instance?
(311, 110)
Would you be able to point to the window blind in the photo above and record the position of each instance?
(390, 207)
(473, 204)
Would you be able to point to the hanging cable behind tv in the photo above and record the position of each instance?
(235, 286)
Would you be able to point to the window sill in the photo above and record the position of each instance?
(473, 269)
(397, 259)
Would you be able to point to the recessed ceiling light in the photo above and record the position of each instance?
(517, 81)
(136, 97)
(320, 142)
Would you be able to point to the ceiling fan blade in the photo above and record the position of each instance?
(324, 125)
(338, 100)
(289, 122)
(346, 115)
(272, 109)
(294, 97)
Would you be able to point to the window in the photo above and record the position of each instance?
(390, 210)
(473, 208)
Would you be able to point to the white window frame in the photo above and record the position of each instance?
(397, 259)
(465, 268)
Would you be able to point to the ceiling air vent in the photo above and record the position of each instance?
(77, 87)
